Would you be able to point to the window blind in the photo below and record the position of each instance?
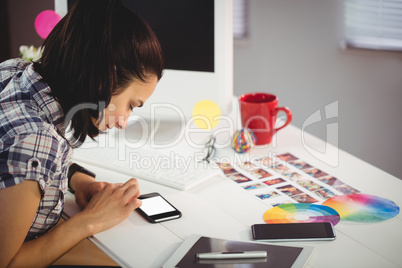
(373, 24)
(240, 19)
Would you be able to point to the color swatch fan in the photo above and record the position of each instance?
(300, 212)
(363, 207)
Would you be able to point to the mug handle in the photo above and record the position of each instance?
(288, 115)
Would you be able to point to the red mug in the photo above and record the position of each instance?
(258, 112)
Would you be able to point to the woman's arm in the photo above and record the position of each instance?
(107, 208)
(18, 205)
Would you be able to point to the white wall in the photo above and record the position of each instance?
(294, 52)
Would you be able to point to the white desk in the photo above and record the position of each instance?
(220, 208)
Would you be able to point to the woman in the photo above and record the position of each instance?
(99, 62)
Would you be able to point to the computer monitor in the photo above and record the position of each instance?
(197, 41)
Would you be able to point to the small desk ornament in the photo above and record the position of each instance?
(243, 140)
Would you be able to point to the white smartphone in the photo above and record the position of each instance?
(155, 208)
(293, 231)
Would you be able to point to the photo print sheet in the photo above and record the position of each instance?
(284, 178)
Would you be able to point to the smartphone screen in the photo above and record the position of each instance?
(293, 231)
(155, 208)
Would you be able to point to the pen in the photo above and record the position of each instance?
(232, 255)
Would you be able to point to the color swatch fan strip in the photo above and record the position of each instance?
(299, 212)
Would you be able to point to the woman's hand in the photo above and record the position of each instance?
(111, 205)
(86, 190)
(104, 204)
(86, 187)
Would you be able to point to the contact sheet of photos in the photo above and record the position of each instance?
(284, 179)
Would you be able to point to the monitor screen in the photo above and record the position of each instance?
(185, 30)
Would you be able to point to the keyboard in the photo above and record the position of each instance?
(176, 168)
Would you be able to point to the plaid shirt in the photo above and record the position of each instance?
(31, 146)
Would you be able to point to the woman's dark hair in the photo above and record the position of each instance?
(96, 50)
